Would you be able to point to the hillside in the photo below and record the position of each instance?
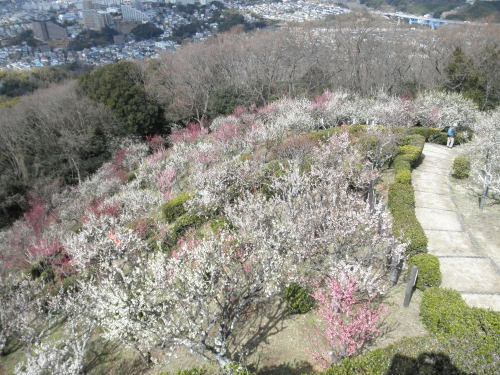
(247, 206)
(230, 213)
(488, 11)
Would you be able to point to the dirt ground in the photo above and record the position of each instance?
(275, 342)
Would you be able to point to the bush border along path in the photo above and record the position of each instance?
(402, 197)
(464, 266)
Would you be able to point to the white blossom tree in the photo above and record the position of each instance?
(484, 151)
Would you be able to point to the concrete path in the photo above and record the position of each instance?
(464, 267)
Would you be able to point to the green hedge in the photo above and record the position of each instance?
(444, 312)
(461, 167)
(423, 355)
(184, 223)
(402, 206)
(402, 197)
(429, 273)
(433, 135)
(174, 208)
(403, 177)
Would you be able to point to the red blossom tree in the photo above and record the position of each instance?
(348, 323)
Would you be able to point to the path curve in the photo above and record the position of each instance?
(464, 266)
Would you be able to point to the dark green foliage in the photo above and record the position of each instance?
(114, 86)
(68, 283)
(403, 177)
(92, 38)
(471, 75)
(146, 31)
(480, 9)
(18, 83)
(25, 36)
(34, 270)
(220, 223)
(429, 273)
(423, 355)
(402, 206)
(298, 299)
(433, 135)
(223, 101)
(428, 133)
(174, 208)
(131, 176)
(461, 167)
(183, 224)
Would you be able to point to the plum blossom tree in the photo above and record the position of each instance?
(484, 151)
(193, 299)
(440, 110)
(348, 322)
(64, 356)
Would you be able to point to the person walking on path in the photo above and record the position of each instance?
(451, 135)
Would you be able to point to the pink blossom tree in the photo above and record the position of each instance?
(348, 321)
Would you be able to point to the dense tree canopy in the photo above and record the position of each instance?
(146, 31)
(119, 88)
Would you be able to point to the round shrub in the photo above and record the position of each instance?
(403, 177)
(184, 223)
(410, 149)
(429, 273)
(461, 167)
(444, 311)
(174, 208)
(298, 299)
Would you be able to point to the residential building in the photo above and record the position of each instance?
(94, 20)
(130, 13)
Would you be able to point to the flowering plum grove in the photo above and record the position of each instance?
(98, 255)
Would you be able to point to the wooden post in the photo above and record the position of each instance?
(485, 191)
(371, 195)
(395, 269)
(380, 220)
(409, 288)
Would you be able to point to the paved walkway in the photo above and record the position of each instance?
(463, 265)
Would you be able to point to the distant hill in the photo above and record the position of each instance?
(436, 7)
(480, 10)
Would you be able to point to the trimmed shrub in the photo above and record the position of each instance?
(444, 311)
(423, 355)
(429, 273)
(174, 208)
(403, 177)
(433, 135)
(402, 206)
(298, 299)
(461, 167)
(184, 223)
(401, 164)
(410, 149)
(427, 133)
